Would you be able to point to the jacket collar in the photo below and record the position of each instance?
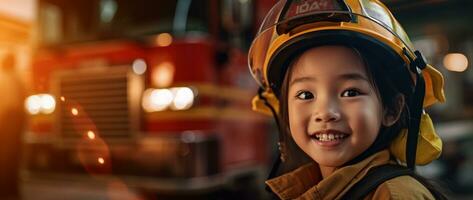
(306, 181)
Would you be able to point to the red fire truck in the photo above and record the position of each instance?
(156, 90)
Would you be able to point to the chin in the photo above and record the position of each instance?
(329, 161)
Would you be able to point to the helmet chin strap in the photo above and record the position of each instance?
(277, 162)
(415, 107)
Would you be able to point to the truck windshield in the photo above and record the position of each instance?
(63, 22)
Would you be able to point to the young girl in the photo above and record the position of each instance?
(348, 92)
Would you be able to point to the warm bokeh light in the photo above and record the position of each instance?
(48, 104)
(139, 66)
(178, 98)
(164, 39)
(63, 99)
(183, 98)
(101, 160)
(146, 100)
(161, 99)
(40, 103)
(33, 104)
(91, 135)
(74, 111)
(456, 62)
(163, 74)
(157, 99)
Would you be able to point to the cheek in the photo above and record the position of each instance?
(297, 118)
(366, 117)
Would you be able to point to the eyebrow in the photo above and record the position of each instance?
(302, 79)
(353, 76)
(347, 76)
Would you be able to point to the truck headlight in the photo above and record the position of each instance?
(183, 98)
(177, 98)
(157, 99)
(40, 103)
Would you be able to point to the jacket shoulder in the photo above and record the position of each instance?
(402, 187)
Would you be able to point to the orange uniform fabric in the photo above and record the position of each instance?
(306, 182)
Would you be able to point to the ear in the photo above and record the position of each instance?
(392, 115)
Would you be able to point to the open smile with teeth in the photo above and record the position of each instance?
(329, 136)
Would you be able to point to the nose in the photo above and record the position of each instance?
(327, 112)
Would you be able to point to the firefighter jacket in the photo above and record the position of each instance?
(306, 182)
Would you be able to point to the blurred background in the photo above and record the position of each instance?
(144, 99)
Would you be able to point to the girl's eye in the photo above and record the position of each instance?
(350, 93)
(304, 95)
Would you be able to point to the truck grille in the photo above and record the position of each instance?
(101, 99)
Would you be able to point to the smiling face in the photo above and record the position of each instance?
(333, 108)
